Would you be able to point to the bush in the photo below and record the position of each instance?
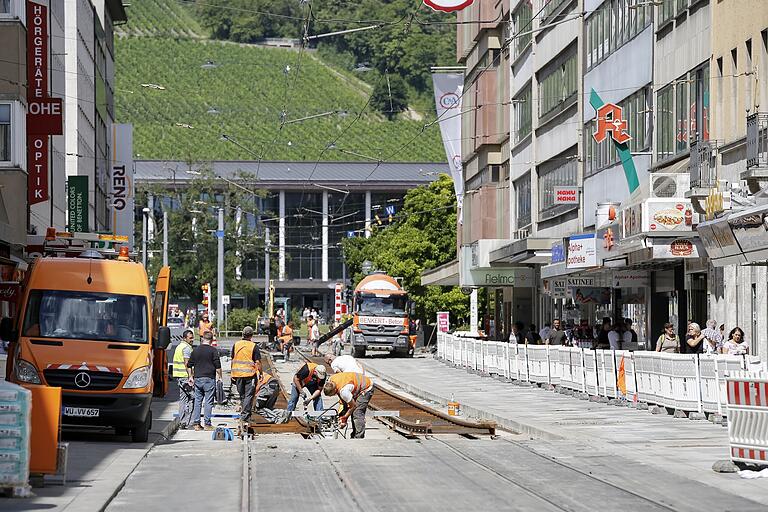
(390, 96)
(239, 318)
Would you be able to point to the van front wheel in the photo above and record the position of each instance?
(140, 434)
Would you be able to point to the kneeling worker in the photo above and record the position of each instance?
(310, 376)
(267, 391)
(246, 364)
(355, 391)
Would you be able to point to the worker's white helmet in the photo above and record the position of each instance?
(320, 371)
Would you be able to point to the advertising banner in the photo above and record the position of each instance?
(121, 182)
(448, 90)
(665, 215)
(677, 248)
(443, 321)
(591, 295)
(566, 195)
(581, 251)
(77, 203)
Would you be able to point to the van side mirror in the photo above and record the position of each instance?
(163, 338)
(7, 332)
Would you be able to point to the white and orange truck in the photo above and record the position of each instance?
(381, 317)
(88, 324)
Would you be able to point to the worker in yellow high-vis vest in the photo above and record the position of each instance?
(180, 360)
(246, 364)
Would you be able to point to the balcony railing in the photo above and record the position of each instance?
(702, 166)
(757, 141)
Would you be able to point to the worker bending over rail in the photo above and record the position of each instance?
(355, 391)
(346, 363)
(312, 377)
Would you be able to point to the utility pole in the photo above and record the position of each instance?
(220, 281)
(266, 268)
(165, 238)
(144, 229)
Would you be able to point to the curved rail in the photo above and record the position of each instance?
(415, 418)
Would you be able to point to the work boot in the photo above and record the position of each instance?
(198, 428)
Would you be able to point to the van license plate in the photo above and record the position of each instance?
(81, 412)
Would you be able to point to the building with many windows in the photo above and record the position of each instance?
(637, 163)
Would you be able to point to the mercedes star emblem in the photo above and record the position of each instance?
(381, 328)
(82, 380)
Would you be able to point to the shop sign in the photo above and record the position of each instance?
(664, 216)
(9, 292)
(443, 321)
(678, 248)
(77, 203)
(558, 252)
(581, 251)
(608, 238)
(566, 195)
(500, 277)
(630, 279)
(121, 189)
(610, 120)
(559, 288)
(448, 5)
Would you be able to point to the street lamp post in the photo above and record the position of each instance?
(220, 280)
(144, 223)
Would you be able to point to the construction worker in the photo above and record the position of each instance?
(286, 340)
(180, 360)
(354, 391)
(267, 391)
(246, 363)
(204, 324)
(312, 377)
(341, 364)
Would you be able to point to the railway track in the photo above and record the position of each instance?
(413, 418)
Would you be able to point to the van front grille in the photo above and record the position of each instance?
(95, 381)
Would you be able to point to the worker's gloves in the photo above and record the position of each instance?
(307, 401)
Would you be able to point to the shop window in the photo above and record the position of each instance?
(523, 113)
(5, 132)
(523, 201)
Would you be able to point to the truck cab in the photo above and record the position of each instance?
(380, 317)
(89, 325)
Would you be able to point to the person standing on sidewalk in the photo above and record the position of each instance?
(246, 364)
(556, 335)
(355, 392)
(204, 369)
(180, 359)
(315, 336)
(668, 341)
(713, 339)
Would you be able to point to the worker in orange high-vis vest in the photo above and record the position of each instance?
(312, 377)
(204, 324)
(355, 391)
(246, 364)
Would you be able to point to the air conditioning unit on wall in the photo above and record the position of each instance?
(667, 185)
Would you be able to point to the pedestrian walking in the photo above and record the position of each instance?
(204, 369)
(616, 336)
(186, 396)
(668, 340)
(736, 344)
(516, 336)
(246, 364)
(532, 337)
(312, 377)
(555, 336)
(341, 364)
(630, 335)
(354, 391)
(694, 339)
(314, 337)
(286, 341)
(713, 339)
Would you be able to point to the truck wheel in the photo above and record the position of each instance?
(358, 352)
(140, 434)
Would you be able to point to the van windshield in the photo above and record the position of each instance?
(86, 316)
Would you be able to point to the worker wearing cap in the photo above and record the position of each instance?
(246, 364)
(341, 364)
(312, 377)
(355, 391)
(186, 396)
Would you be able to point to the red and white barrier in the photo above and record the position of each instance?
(748, 417)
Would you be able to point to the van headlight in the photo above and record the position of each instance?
(139, 378)
(26, 372)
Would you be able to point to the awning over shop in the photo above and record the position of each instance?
(737, 238)
(444, 275)
(530, 251)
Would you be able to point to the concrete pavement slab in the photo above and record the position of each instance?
(680, 446)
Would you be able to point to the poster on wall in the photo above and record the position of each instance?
(443, 321)
(591, 295)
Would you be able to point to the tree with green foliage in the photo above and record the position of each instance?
(242, 21)
(422, 236)
(390, 96)
(192, 221)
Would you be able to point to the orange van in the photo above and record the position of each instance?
(88, 324)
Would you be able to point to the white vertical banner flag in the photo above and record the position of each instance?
(448, 90)
(121, 191)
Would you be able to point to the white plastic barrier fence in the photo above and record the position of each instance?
(686, 382)
(748, 417)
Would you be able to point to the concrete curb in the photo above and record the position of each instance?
(502, 422)
(163, 435)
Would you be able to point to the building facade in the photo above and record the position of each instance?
(627, 131)
(309, 209)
